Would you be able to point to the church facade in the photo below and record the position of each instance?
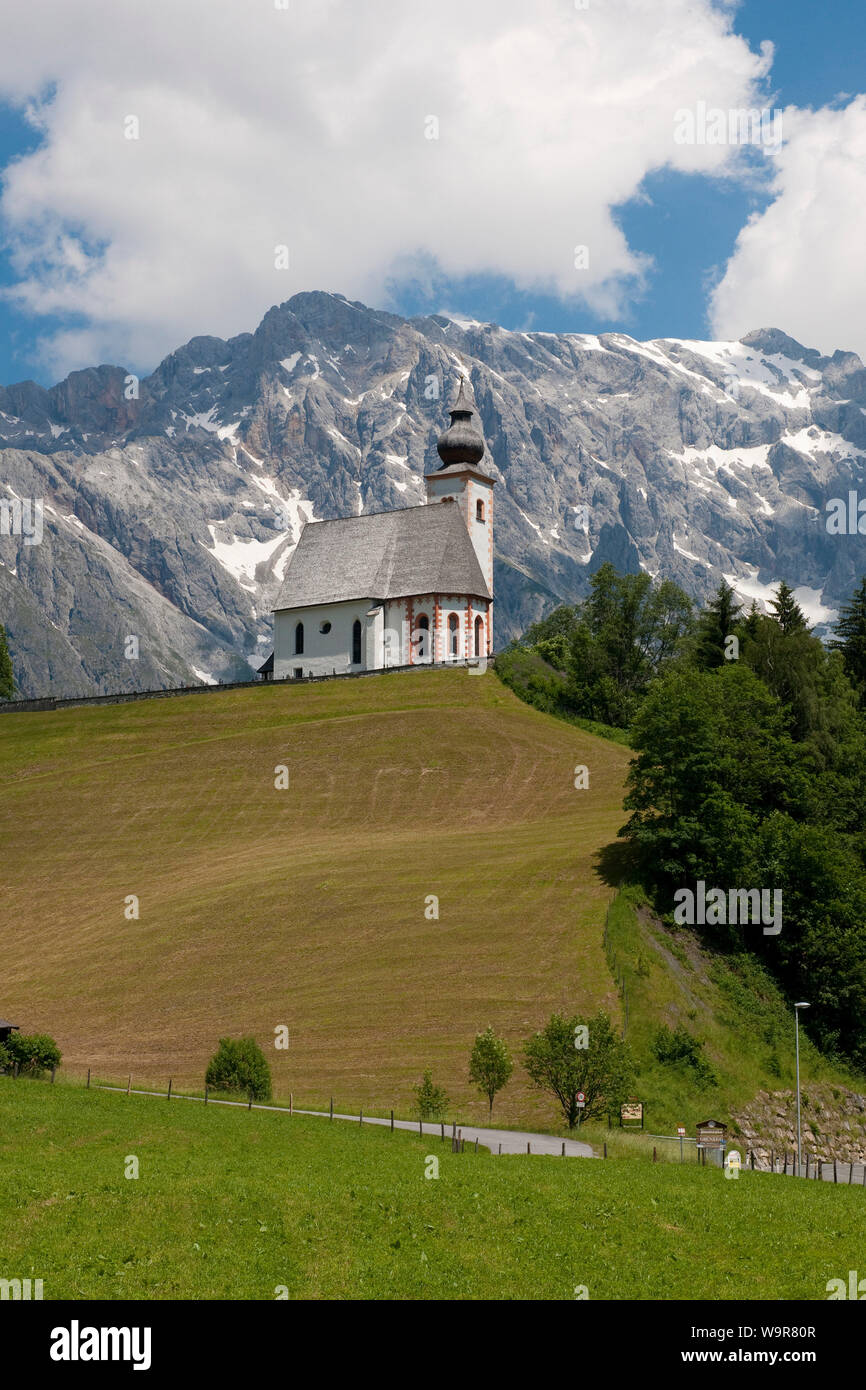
(413, 586)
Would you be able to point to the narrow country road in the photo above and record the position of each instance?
(506, 1141)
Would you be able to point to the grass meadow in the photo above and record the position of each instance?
(237, 1204)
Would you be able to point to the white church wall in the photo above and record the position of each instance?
(324, 652)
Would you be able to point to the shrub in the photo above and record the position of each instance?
(679, 1046)
(34, 1053)
(239, 1065)
(431, 1101)
(5, 1058)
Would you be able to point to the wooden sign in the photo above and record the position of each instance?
(631, 1112)
(711, 1134)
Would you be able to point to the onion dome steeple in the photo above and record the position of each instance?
(462, 442)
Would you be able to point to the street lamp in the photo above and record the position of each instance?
(797, 1007)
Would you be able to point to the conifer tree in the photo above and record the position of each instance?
(850, 640)
(787, 611)
(718, 621)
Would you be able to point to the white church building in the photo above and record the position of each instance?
(399, 588)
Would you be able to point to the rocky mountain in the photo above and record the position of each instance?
(170, 506)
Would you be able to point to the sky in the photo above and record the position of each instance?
(571, 165)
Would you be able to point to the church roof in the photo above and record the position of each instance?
(383, 555)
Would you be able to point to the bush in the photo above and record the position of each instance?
(5, 1058)
(431, 1101)
(239, 1065)
(35, 1053)
(679, 1046)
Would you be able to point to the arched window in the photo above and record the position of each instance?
(422, 637)
(479, 635)
(453, 634)
(479, 510)
(299, 639)
(356, 642)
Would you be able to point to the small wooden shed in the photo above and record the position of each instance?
(6, 1029)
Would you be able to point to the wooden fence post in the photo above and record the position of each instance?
(169, 1088)
(392, 1121)
(421, 1128)
(605, 1148)
(462, 1145)
(528, 1147)
(476, 1143)
(772, 1160)
(360, 1116)
(850, 1172)
(250, 1101)
(563, 1148)
(655, 1156)
(807, 1165)
(500, 1152)
(835, 1172)
(88, 1078)
(128, 1082)
(443, 1131)
(332, 1107)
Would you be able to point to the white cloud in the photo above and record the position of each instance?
(799, 265)
(306, 126)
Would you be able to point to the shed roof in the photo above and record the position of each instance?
(383, 555)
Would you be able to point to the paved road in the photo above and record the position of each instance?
(506, 1141)
(512, 1141)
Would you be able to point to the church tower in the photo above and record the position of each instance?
(460, 478)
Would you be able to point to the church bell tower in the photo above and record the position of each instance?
(461, 478)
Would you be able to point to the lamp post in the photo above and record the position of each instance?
(797, 1008)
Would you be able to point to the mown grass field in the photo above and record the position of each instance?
(234, 1204)
(306, 906)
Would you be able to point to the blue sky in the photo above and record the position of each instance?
(687, 223)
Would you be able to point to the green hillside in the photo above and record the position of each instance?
(306, 906)
(231, 1204)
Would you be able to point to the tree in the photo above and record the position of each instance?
(431, 1101)
(7, 679)
(239, 1065)
(713, 757)
(788, 613)
(34, 1052)
(490, 1064)
(603, 1069)
(850, 640)
(717, 622)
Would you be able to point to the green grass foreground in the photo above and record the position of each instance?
(232, 1204)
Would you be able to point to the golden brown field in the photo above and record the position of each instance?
(306, 906)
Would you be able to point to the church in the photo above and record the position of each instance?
(401, 588)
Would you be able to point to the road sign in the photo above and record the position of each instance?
(632, 1113)
(681, 1129)
(581, 1099)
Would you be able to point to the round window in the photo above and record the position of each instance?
(324, 627)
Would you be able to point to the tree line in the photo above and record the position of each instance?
(749, 768)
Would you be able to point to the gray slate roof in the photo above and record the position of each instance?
(383, 555)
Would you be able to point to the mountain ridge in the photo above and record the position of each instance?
(172, 503)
